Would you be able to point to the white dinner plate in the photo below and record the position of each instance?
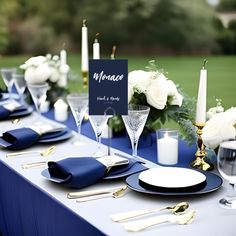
(172, 177)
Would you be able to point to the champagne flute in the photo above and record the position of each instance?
(8, 79)
(226, 162)
(134, 124)
(38, 93)
(20, 83)
(78, 104)
(98, 123)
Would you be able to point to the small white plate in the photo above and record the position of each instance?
(172, 177)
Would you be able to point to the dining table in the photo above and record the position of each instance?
(30, 204)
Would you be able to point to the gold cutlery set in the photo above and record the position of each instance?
(45, 153)
(178, 211)
(179, 214)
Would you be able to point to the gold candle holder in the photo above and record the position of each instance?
(85, 79)
(199, 162)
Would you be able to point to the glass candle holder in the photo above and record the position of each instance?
(167, 146)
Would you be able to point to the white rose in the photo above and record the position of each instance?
(211, 112)
(177, 98)
(55, 75)
(42, 72)
(30, 76)
(220, 128)
(140, 80)
(130, 92)
(64, 69)
(157, 93)
(35, 61)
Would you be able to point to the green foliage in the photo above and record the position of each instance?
(3, 34)
(139, 26)
(227, 5)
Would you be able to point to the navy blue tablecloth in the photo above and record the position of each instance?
(26, 210)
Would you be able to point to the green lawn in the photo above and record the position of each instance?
(182, 70)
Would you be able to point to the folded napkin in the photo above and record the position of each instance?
(7, 109)
(4, 112)
(79, 172)
(20, 138)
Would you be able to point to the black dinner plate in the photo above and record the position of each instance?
(213, 182)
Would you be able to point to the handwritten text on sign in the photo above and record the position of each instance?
(108, 87)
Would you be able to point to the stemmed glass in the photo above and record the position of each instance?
(38, 93)
(226, 162)
(20, 83)
(8, 79)
(78, 104)
(134, 124)
(98, 123)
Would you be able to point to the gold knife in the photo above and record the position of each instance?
(80, 194)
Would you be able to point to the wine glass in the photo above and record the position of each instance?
(226, 162)
(20, 83)
(98, 123)
(134, 124)
(78, 104)
(8, 79)
(38, 93)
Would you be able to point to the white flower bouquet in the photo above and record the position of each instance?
(45, 68)
(165, 99)
(49, 69)
(219, 128)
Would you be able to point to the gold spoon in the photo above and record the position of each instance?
(44, 153)
(139, 225)
(15, 121)
(177, 209)
(116, 194)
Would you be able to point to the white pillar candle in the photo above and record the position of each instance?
(63, 57)
(63, 77)
(84, 48)
(167, 150)
(201, 99)
(60, 110)
(96, 49)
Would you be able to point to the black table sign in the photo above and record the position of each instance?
(108, 87)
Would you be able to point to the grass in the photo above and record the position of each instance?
(181, 69)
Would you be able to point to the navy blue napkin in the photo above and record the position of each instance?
(20, 138)
(4, 113)
(77, 172)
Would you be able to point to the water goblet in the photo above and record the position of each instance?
(8, 79)
(38, 93)
(20, 83)
(98, 123)
(226, 162)
(134, 124)
(78, 104)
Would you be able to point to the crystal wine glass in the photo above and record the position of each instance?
(38, 93)
(226, 162)
(20, 83)
(98, 123)
(134, 124)
(8, 79)
(78, 104)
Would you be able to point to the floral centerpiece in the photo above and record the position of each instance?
(48, 68)
(219, 128)
(165, 99)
